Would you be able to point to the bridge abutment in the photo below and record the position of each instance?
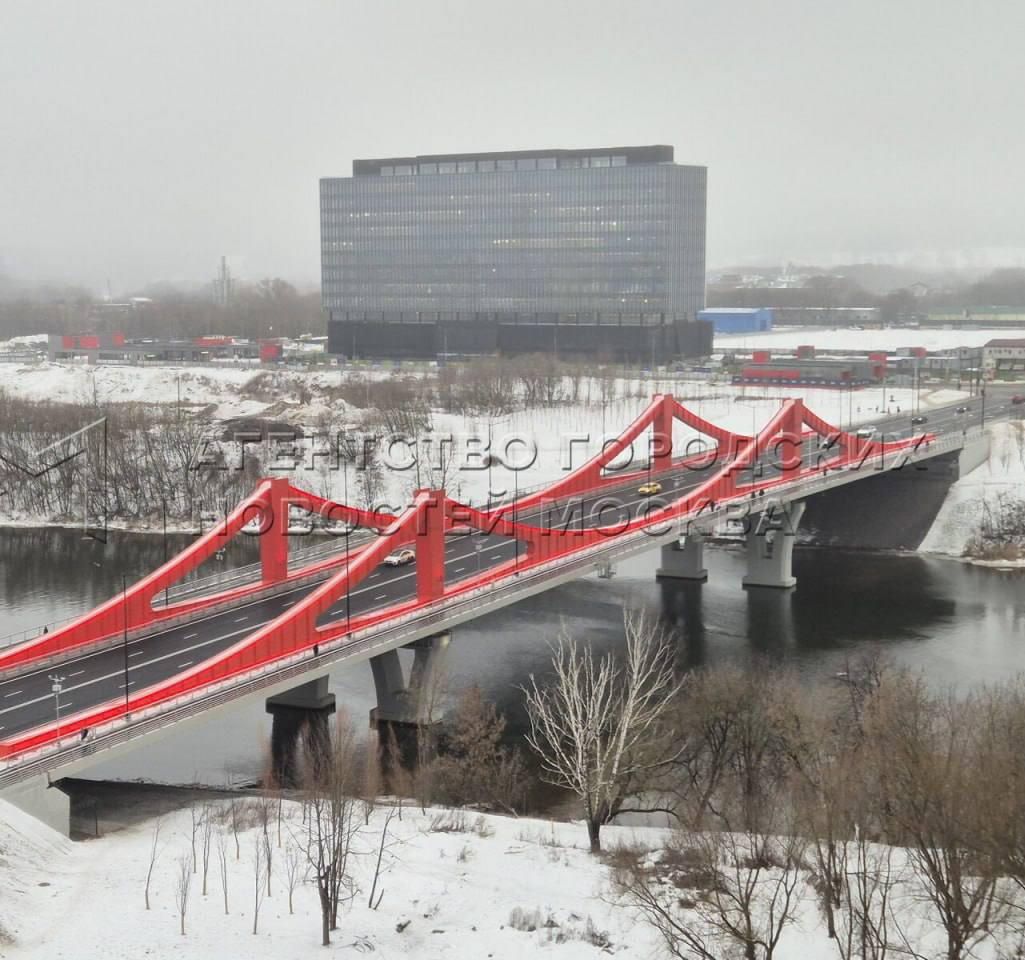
(39, 798)
(770, 546)
(684, 559)
(301, 711)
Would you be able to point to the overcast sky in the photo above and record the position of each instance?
(141, 140)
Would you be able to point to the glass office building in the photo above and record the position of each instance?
(570, 237)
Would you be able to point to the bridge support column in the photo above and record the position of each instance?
(408, 710)
(303, 710)
(41, 799)
(274, 534)
(770, 546)
(683, 559)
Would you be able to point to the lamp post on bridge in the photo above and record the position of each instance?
(57, 685)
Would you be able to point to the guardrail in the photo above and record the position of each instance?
(410, 626)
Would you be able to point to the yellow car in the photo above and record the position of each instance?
(650, 488)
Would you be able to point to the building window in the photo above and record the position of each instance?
(446, 168)
(387, 171)
(467, 166)
(619, 161)
(506, 164)
(546, 163)
(485, 166)
(404, 170)
(600, 162)
(428, 168)
(530, 164)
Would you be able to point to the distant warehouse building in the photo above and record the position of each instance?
(738, 319)
(598, 251)
(1004, 359)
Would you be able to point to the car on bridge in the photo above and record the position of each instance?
(961, 409)
(650, 488)
(1018, 398)
(400, 558)
(866, 433)
(919, 419)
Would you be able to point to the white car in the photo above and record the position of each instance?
(867, 433)
(399, 558)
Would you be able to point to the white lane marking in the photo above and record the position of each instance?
(187, 663)
(240, 619)
(459, 569)
(189, 636)
(383, 596)
(16, 692)
(77, 673)
(139, 653)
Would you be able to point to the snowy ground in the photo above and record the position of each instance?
(993, 489)
(863, 340)
(466, 894)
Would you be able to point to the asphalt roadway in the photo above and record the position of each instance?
(98, 677)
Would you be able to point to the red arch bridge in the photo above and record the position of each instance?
(170, 649)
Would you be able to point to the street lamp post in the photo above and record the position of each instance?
(57, 685)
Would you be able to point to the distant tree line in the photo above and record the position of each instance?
(1002, 288)
(271, 308)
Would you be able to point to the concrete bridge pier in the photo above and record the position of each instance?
(770, 546)
(404, 710)
(39, 798)
(303, 710)
(684, 559)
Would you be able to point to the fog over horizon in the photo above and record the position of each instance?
(143, 141)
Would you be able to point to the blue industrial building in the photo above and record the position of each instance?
(738, 319)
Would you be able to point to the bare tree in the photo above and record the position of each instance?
(196, 818)
(374, 904)
(268, 853)
(475, 766)
(259, 877)
(206, 836)
(182, 885)
(332, 820)
(234, 827)
(597, 729)
(222, 862)
(933, 752)
(293, 864)
(154, 852)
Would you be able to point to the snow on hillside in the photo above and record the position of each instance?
(453, 885)
(32, 861)
(988, 497)
(850, 339)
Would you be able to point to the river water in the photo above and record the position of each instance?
(956, 624)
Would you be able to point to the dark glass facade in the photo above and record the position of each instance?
(612, 231)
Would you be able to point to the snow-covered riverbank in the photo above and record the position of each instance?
(984, 513)
(456, 885)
